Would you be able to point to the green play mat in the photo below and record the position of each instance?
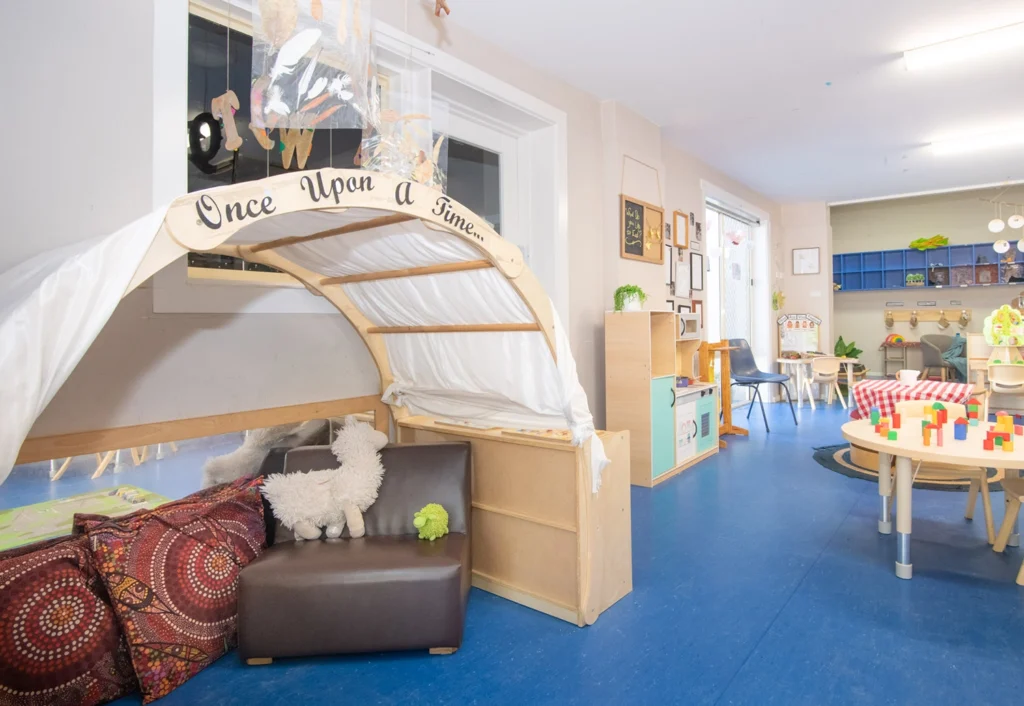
(31, 523)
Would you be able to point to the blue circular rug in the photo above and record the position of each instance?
(836, 458)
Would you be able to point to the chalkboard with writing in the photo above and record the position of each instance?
(641, 231)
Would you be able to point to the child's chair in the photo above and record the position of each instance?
(1014, 488)
(825, 371)
(913, 410)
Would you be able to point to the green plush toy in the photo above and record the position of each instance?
(431, 521)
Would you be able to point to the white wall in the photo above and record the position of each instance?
(807, 226)
(886, 225)
(146, 367)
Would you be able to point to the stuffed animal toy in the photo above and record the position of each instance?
(247, 458)
(431, 521)
(307, 502)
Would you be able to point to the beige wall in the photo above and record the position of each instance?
(807, 226)
(891, 225)
(148, 367)
(886, 225)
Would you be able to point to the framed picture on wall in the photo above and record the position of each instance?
(697, 307)
(696, 272)
(806, 261)
(683, 307)
(681, 229)
(681, 285)
(669, 265)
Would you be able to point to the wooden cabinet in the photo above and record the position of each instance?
(540, 536)
(670, 428)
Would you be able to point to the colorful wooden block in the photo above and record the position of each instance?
(997, 440)
(1018, 430)
(973, 421)
(938, 405)
(938, 436)
(892, 435)
(988, 445)
(960, 430)
(875, 415)
(942, 416)
(896, 419)
(1008, 446)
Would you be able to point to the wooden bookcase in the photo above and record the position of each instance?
(540, 537)
(644, 352)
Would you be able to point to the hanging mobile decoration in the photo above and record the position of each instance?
(310, 64)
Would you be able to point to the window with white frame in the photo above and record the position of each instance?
(506, 156)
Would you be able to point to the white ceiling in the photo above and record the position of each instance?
(742, 84)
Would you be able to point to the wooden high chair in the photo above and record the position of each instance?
(1014, 489)
(912, 411)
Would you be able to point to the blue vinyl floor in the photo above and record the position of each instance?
(759, 578)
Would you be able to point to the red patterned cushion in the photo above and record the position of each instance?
(172, 575)
(59, 640)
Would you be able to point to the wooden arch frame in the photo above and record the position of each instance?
(204, 221)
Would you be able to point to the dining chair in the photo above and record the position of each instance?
(913, 410)
(825, 371)
(745, 373)
(1005, 379)
(933, 346)
(1014, 489)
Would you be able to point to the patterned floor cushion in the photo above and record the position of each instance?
(172, 575)
(59, 640)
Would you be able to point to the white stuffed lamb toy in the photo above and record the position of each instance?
(306, 502)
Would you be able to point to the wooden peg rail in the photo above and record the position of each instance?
(926, 315)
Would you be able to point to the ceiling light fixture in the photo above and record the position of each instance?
(979, 141)
(965, 48)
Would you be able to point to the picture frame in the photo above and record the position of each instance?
(683, 307)
(671, 304)
(806, 261)
(681, 283)
(641, 230)
(697, 307)
(696, 272)
(691, 218)
(680, 230)
(697, 238)
(670, 269)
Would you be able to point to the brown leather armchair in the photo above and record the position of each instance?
(386, 591)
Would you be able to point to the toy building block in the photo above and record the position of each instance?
(974, 403)
(892, 435)
(988, 445)
(973, 421)
(875, 415)
(997, 440)
(942, 416)
(938, 436)
(960, 429)
(1008, 446)
(927, 438)
(1018, 430)
(885, 420)
(895, 420)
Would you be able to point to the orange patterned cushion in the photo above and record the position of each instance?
(59, 640)
(172, 575)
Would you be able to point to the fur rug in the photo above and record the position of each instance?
(246, 459)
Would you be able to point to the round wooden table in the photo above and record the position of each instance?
(910, 445)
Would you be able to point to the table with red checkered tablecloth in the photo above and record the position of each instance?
(884, 394)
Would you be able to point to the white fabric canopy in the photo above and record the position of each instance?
(53, 306)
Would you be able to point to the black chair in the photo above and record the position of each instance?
(745, 374)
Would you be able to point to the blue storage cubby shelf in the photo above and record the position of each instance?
(950, 266)
(893, 259)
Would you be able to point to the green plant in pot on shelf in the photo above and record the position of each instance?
(629, 297)
(849, 350)
(915, 280)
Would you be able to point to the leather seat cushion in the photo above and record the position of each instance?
(354, 595)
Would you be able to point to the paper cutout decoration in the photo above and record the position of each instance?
(310, 64)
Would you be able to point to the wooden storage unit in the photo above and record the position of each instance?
(644, 352)
(540, 537)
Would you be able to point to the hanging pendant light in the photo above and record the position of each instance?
(1016, 221)
(1001, 246)
(996, 225)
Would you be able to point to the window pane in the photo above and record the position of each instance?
(474, 180)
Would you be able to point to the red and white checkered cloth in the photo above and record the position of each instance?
(884, 394)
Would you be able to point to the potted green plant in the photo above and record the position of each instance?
(629, 297)
(849, 350)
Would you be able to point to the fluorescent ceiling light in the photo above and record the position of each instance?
(964, 48)
(977, 142)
